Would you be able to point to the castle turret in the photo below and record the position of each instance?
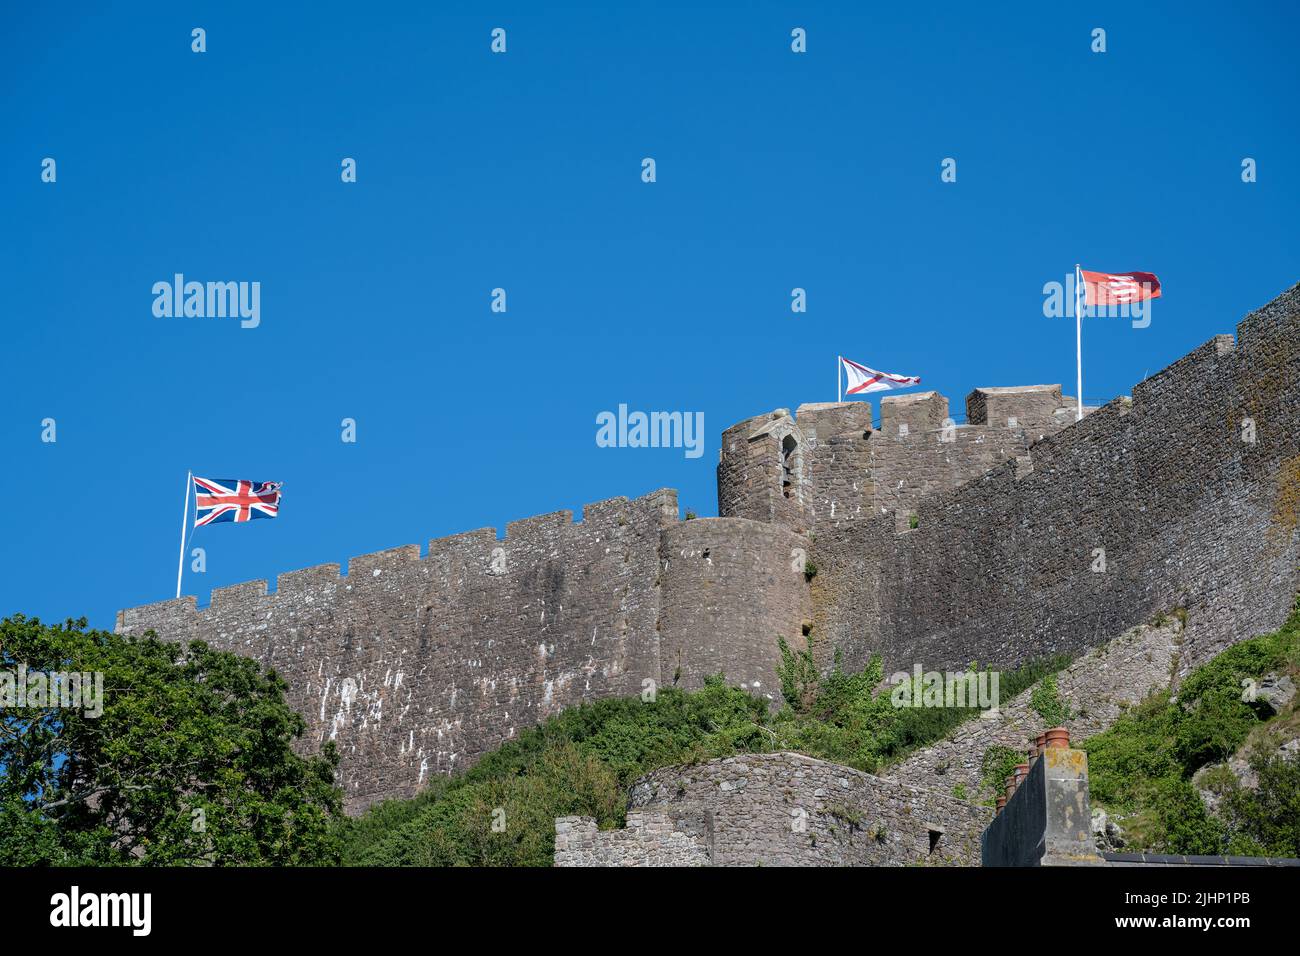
(766, 467)
(761, 470)
(826, 465)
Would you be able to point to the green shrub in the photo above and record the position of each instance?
(1266, 821)
(1182, 824)
(1212, 726)
(797, 674)
(999, 762)
(1142, 766)
(1046, 700)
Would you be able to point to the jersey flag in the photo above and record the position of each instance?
(234, 499)
(862, 379)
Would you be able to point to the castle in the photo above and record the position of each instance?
(1019, 534)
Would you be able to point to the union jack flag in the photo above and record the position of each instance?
(232, 499)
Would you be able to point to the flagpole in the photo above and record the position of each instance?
(1078, 337)
(839, 380)
(185, 520)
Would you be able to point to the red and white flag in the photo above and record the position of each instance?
(1119, 288)
(862, 379)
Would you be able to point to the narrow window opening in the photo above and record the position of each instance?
(788, 446)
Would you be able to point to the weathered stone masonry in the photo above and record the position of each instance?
(779, 809)
(1188, 513)
(418, 664)
(1095, 690)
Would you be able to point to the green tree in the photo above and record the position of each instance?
(190, 762)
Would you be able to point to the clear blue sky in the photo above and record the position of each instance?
(522, 171)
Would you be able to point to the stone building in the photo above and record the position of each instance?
(1015, 535)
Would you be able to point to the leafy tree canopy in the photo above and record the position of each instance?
(189, 763)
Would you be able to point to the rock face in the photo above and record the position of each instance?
(1275, 692)
(781, 809)
(1215, 781)
(1106, 833)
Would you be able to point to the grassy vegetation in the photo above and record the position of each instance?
(1141, 768)
(1046, 701)
(583, 761)
(999, 763)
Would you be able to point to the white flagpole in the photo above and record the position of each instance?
(839, 379)
(1078, 336)
(185, 520)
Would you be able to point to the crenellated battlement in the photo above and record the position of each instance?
(417, 664)
(543, 533)
(1022, 406)
(827, 465)
(1015, 535)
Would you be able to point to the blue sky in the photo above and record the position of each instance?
(523, 171)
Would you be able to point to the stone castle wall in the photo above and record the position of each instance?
(730, 588)
(751, 482)
(649, 839)
(417, 665)
(1005, 568)
(909, 468)
(825, 465)
(780, 809)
